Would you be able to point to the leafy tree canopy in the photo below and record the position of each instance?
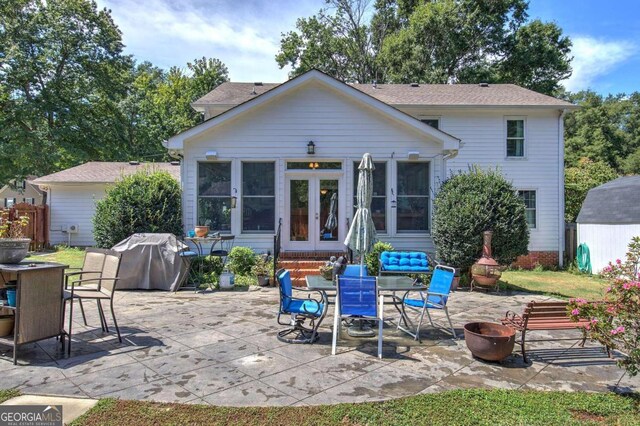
(580, 179)
(437, 41)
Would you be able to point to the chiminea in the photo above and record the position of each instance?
(486, 271)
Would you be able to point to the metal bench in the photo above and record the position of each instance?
(543, 316)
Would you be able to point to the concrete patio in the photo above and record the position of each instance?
(220, 348)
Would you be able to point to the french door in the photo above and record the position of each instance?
(315, 212)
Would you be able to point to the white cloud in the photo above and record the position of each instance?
(245, 35)
(595, 58)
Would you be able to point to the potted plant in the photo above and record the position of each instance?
(13, 244)
(261, 269)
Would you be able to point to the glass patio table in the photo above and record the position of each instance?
(388, 286)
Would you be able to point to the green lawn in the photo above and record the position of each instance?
(66, 255)
(460, 407)
(8, 394)
(555, 283)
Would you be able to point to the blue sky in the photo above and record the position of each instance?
(245, 35)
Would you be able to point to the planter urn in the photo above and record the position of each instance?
(13, 250)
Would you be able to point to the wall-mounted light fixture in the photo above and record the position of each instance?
(234, 198)
(313, 165)
(311, 148)
(211, 155)
(413, 155)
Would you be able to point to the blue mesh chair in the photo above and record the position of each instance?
(435, 298)
(299, 310)
(357, 297)
(354, 271)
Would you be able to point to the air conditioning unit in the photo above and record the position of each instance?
(72, 229)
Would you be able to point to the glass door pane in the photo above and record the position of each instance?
(299, 206)
(328, 209)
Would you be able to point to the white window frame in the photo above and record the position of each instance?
(197, 193)
(387, 195)
(525, 150)
(394, 197)
(241, 196)
(432, 117)
(535, 210)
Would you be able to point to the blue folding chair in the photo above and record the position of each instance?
(299, 310)
(354, 271)
(435, 298)
(356, 297)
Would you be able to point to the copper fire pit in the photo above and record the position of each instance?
(489, 341)
(486, 271)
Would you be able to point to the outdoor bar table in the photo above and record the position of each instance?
(39, 302)
(388, 286)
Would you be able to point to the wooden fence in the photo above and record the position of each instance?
(570, 242)
(38, 228)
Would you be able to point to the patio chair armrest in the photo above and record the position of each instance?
(512, 318)
(304, 300)
(308, 290)
(68, 274)
(93, 280)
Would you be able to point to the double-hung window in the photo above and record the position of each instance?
(515, 137)
(413, 197)
(529, 199)
(214, 195)
(379, 197)
(258, 197)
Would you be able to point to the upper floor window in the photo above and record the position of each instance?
(413, 197)
(258, 197)
(433, 122)
(9, 202)
(529, 199)
(29, 200)
(515, 137)
(214, 195)
(379, 197)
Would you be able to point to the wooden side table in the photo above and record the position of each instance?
(39, 302)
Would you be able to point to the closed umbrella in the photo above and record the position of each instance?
(332, 220)
(362, 234)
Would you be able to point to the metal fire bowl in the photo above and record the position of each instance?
(13, 250)
(489, 341)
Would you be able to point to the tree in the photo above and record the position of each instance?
(469, 204)
(147, 201)
(604, 129)
(437, 41)
(61, 74)
(468, 41)
(578, 180)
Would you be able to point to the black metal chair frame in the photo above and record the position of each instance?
(298, 332)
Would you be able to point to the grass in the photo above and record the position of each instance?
(459, 407)
(66, 255)
(6, 394)
(555, 283)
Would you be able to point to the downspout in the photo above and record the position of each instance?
(561, 225)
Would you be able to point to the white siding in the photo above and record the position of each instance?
(341, 129)
(73, 205)
(606, 242)
(483, 137)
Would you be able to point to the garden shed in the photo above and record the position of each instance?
(609, 218)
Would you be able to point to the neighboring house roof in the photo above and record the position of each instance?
(11, 187)
(492, 95)
(104, 172)
(449, 142)
(615, 202)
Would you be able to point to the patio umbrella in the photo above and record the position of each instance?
(332, 220)
(362, 234)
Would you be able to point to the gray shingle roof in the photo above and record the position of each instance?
(615, 202)
(230, 93)
(104, 172)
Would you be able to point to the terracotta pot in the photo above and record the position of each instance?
(13, 250)
(201, 231)
(489, 341)
(6, 325)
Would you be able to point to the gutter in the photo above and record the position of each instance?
(561, 223)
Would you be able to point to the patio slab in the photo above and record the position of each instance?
(221, 348)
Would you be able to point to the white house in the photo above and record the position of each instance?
(72, 196)
(285, 150)
(609, 219)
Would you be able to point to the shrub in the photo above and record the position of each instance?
(469, 204)
(240, 260)
(616, 322)
(146, 201)
(372, 259)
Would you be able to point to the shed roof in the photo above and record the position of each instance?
(615, 202)
(498, 95)
(104, 172)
